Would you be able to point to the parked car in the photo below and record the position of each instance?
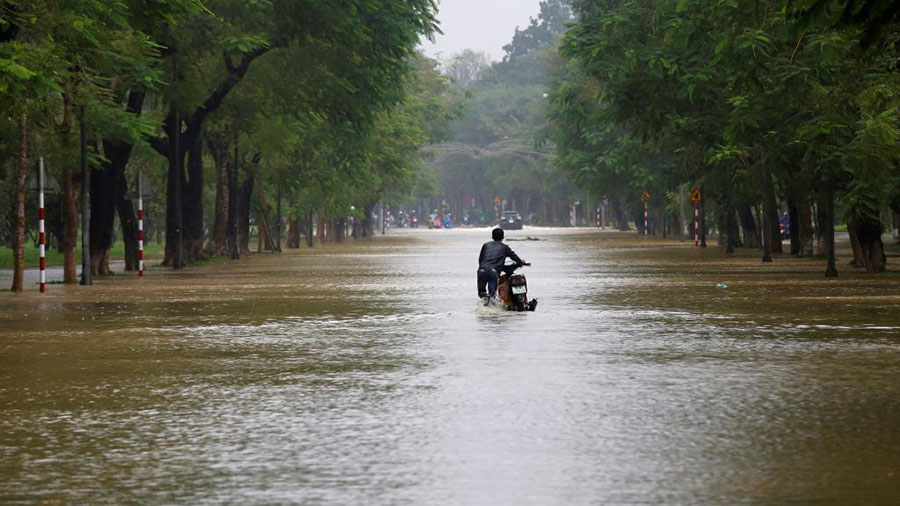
(511, 220)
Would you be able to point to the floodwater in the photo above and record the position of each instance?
(364, 373)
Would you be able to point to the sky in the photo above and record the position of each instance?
(482, 25)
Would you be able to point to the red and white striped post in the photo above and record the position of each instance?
(696, 224)
(140, 217)
(646, 221)
(42, 238)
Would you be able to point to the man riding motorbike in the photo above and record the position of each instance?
(491, 263)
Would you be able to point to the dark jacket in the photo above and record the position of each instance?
(493, 253)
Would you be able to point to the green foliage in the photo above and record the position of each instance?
(678, 92)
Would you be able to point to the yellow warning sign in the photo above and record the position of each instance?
(497, 200)
(695, 195)
(645, 196)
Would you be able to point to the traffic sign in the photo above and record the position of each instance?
(695, 195)
(645, 196)
(497, 200)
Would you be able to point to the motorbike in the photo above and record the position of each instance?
(512, 289)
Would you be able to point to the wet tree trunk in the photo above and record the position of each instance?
(293, 238)
(103, 216)
(218, 242)
(128, 221)
(110, 180)
(777, 246)
(193, 200)
(340, 229)
(330, 231)
(619, 214)
(768, 211)
(869, 235)
(368, 228)
(175, 179)
(246, 191)
(826, 224)
(751, 233)
(804, 227)
(857, 249)
(320, 227)
(731, 228)
(821, 248)
(69, 201)
(18, 283)
(310, 240)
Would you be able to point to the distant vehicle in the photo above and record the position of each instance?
(511, 220)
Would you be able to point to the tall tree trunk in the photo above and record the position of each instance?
(193, 199)
(768, 211)
(826, 223)
(869, 235)
(748, 223)
(18, 284)
(777, 246)
(102, 218)
(368, 227)
(309, 230)
(619, 214)
(128, 222)
(70, 205)
(858, 254)
(731, 228)
(293, 238)
(804, 227)
(821, 247)
(340, 229)
(320, 227)
(111, 181)
(174, 180)
(218, 243)
(246, 191)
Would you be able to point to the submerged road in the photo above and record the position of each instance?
(364, 373)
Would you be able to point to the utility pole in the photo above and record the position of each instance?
(85, 206)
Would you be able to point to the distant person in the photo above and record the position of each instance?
(491, 263)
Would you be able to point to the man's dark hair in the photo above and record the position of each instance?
(497, 234)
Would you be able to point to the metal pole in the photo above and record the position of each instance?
(41, 236)
(140, 217)
(85, 206)
(696, 224)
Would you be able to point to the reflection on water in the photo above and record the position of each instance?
(364, 373)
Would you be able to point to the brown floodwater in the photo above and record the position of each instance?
(365, 373)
